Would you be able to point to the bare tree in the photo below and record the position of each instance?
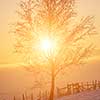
(57, 20)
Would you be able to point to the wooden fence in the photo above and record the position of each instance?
(74, 88)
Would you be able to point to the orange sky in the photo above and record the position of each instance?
(7, 15)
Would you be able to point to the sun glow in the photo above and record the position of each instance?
(47, 44)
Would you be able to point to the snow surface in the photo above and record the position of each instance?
(88, 95)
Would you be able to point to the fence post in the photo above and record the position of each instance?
(81, 86)
(39, 97)
(99, 84)
(14, 98)
(23, 97)
(32, 96)
(87, 86)
(69, 90)
(94, 83)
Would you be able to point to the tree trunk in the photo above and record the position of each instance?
(51, 97)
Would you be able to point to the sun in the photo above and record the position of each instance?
(47, 44)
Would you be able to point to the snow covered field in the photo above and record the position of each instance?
(89, 95)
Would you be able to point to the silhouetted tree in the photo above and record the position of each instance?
(57, 20)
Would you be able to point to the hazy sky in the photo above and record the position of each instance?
(7, 16)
